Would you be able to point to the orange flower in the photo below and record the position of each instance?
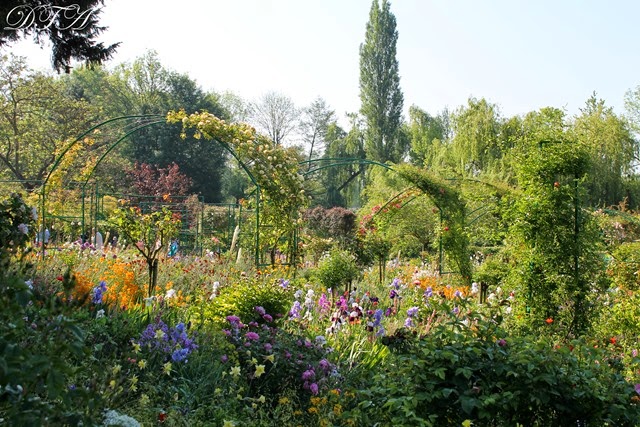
(613, 340)
(549, 320)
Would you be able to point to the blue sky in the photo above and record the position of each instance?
(521, 55)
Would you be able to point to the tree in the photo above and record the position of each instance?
(150, 180)
(612, 149)
(237, 108)
(275, 115)
(380, 92)
(36, 122)
(314, 126)
(72, 29)
(427, 135)
(341, 183)
(147, 87)
(475, 146)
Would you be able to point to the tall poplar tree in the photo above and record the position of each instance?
(380, 92)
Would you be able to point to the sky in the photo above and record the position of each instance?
(519, 54)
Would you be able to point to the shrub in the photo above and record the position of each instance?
(240, 298)
(456, 373)
(337, 270)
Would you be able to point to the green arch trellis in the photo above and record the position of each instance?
(131, 125)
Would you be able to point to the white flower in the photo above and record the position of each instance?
(23, 228)
(34, 214)
(112, 418)
(321, 340)
(100, 314)
(148, 302)
(29, 283)
(170, 293)
(474, 288)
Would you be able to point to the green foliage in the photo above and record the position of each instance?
(37, 118)
(455, 373)
(149, 233)
(241, 298)
(38, 337)
(448, 200)
(554, 244)
(624, 266)
(17, 229)
(273, 168)
(612, 151)
(337, 270)
(380, 92)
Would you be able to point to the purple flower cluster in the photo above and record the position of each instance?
(98, 292)
(174, 341)
(312, 377)
(324, 304)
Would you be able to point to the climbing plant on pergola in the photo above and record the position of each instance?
(272, 168)
(279, 193)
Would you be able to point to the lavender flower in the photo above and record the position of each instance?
(428, 293)
(98, 292)
(412, 311)
(294, 313)
(314, 388)
(309, 374)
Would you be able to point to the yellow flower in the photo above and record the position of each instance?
(217, 392)
(337, 409)
(166, 368)
(270, 358)
(228, 424)
(235, 371)
(134, 379)
(136, 347)
(466, 423)
(312, 410)
(144, 400)
(159, 334)
(142, 364)
(262, 399)
(259, 371)
(283, 401)
(116, 369)
(253, 361)
(112, 383)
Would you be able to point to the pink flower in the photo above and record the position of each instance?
(314, 388)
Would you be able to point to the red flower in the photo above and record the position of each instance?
(549, 320)
(162, 416)
(60, 278)
(613, 340)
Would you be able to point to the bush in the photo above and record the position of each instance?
(457, 373)
(241, 298)
(337, 270)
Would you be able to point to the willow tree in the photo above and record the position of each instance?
(380, 92)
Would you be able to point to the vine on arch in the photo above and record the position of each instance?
(274, 168)
(448, 200)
